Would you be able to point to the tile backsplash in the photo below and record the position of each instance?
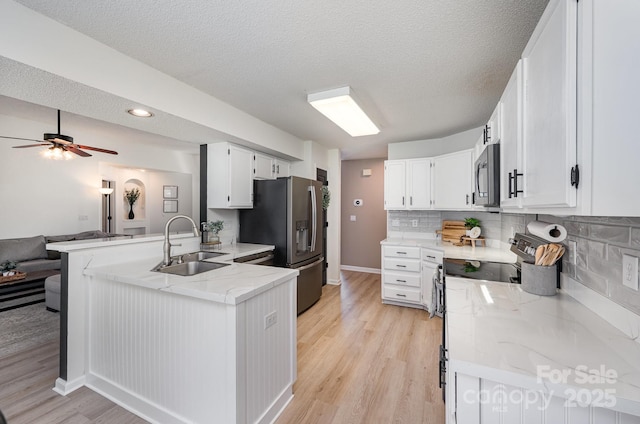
(600, 243)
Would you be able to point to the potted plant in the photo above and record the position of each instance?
(470, 224)
(214, 228)
(326, 197)
(131, 196)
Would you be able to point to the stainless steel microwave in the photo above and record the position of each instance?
(487, 176)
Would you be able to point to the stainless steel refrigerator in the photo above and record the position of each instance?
(287, 213)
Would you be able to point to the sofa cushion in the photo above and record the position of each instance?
(91, 235)
(22, 249)
(53, 254)
(38, 265)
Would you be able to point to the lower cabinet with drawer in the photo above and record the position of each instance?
(401, 276)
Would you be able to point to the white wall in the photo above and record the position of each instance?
(435, 146)
(42, 196)
(315, 156)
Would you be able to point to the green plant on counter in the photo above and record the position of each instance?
(469, 223)
(215, 226)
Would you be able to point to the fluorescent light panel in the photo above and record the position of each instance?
(339, 106)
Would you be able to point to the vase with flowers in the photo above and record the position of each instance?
(132, 196)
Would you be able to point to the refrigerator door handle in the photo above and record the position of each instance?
(314, 218)
(311, 265)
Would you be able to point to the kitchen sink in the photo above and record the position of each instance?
(201, 255)
(189, 268)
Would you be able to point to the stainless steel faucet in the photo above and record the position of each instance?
(166, 247)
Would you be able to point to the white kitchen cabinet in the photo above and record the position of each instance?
(549, 108)
(281, 168)
(511, 192)
(269, 168)
(394, 184)
(229, 176)
(407, 184)
(453, 180)
(418, 183)
(263, 166)
(401, 276)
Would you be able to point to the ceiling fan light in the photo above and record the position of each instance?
(140, 113)
(340, 107)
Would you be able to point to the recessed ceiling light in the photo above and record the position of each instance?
(140, 113)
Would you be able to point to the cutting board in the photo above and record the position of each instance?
(452, 232)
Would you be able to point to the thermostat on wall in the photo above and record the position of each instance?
(357, 202)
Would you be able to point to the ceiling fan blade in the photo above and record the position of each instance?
(27, 145)
(97, 149)
(74, 149)
(20, 138)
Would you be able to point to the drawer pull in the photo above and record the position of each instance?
(401, 266)
(431, 257)
(401, 281)
(401, 253)
(401, 295)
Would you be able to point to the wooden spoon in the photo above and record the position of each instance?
(539, 253)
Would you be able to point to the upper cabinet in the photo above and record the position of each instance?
(549, 108)
(407, 184)
(511, 141)
(453, 181)
(230, 176)
(269, 168)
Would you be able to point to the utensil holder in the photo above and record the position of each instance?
(540, 280)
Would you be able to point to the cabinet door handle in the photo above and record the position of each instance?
(510, 185)
(467, 199)
(515, 183)
(411, 200)
(402, 200)
(278, 169)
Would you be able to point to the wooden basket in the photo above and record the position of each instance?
(17, 276)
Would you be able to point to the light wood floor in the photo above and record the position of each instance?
(359, 361)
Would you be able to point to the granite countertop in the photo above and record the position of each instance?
(499, 332)
(231, 284)
(479, 253)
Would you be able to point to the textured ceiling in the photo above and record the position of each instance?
(421, 68)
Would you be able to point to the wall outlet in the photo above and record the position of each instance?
(352, 217)
(573, 252)
(395, 222)
(270, 319)
(630, 271)
(414, 222)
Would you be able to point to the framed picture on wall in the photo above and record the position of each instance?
(170, 192)
(170, 206)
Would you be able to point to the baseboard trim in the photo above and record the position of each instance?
(360, 269)
(333, 282)
(64, 387)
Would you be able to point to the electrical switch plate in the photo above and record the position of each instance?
(270, 319)
(395, 222)
(414, 222)
(352, 217)
(630, 271)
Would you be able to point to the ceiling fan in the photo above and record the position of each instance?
(61, 145)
